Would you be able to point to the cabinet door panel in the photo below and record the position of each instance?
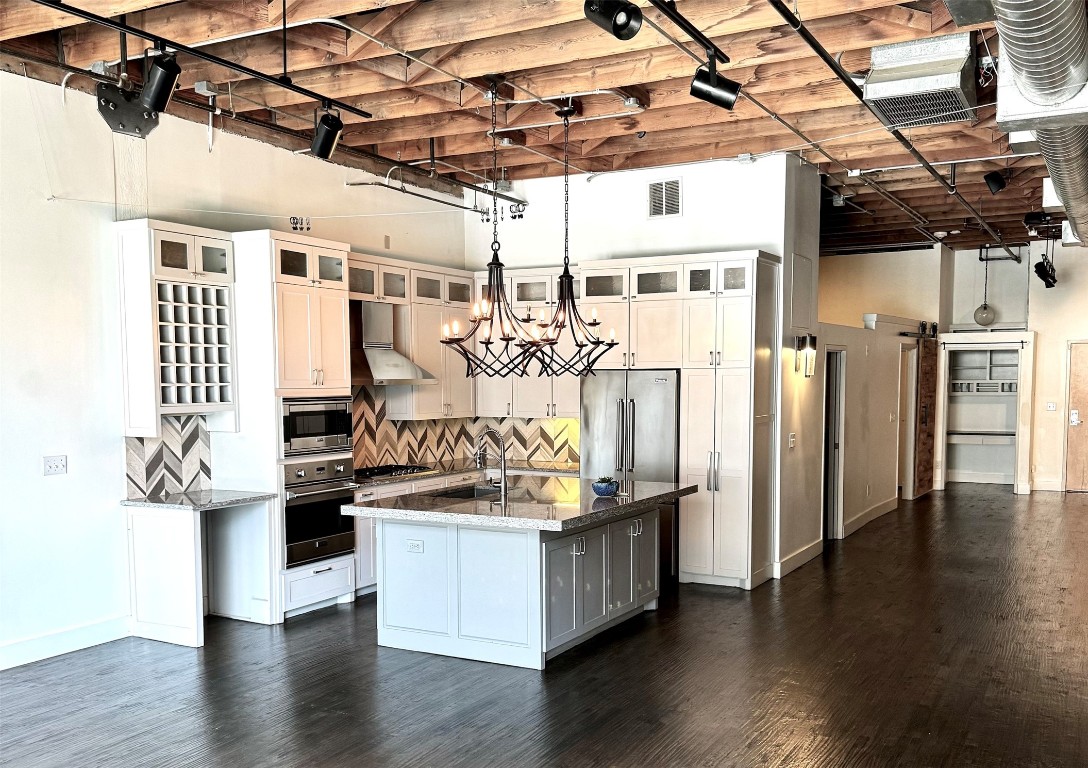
(734, 418)
(532, 396)
(393, 285)
(621, 567)
(655, 327)
(294, 321)
(293, 263)
(613, 317)
(604, 286)
(428, 353)
(426, 287)
(366, 560)
(215, 259)
(458, 291)
(700, 329)
(335, 360)
(656, 283)
(330, 268)
(698, 390)
(700, 280)
(532, 291)
(593, 595)
(697, 527)
(459, 386)
(735, 332)
(566, 388)
(174, 255)
(494, 396)
(562, 585)
(731, 524)
(649, 566)
(362, 280)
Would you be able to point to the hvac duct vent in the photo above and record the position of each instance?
(924, 82)
(664, 198)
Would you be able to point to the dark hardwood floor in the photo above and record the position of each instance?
(951, 632)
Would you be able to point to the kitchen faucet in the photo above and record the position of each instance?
(481, 449)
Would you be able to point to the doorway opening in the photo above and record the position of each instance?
(908, 398)
(834, 433)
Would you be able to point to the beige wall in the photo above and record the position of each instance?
(1058, 315)
(903, 284)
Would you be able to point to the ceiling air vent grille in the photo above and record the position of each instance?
(924, 82)
(664, 198)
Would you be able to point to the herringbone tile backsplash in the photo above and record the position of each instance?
(180, 461)
(379, 440)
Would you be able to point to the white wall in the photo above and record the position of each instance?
(904, 283)
(63, 572)
(1058, 316)
(871, 439)
(1007, 294)
(726, 206)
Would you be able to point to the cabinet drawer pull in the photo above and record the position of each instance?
(369, 493)
(632, 359)
(322, 570)
(712, 357)
(624, 359)
(719, 358)
(508, 408)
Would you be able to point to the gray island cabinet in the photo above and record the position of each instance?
(460, 574)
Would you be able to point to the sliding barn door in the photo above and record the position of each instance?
(1076, 434)
(924, 414)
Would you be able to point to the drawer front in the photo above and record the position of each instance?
(313, 549)
(320, 581)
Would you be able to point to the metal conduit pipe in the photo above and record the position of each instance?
(1046, 44)
(805, 34)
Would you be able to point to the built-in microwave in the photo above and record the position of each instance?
(316, 425)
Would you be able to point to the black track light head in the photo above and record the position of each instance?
(1045, 271)
(714, 89)
(620, 19)
(326, 135)
(162, 78)
(995, 180)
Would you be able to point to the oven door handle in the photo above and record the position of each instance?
(338, 489)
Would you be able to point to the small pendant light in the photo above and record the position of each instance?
(985, 314)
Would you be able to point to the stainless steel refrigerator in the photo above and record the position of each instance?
(630, 431)
(629, 425)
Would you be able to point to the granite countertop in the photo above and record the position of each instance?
(536, 503)
(199, 501)
(456, 466)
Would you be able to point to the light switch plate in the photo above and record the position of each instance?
(55, 465)
(793, 439)
(415, 545)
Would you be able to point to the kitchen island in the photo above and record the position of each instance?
(461, 574)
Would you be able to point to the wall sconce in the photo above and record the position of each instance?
(806, 355)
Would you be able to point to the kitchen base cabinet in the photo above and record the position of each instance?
(308, 585)
(439, 586)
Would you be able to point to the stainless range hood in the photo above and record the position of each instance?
(373, 359)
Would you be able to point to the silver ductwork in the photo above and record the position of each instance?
(1045, 45)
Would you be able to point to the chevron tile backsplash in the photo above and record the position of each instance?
(180, 461)
(379, 440)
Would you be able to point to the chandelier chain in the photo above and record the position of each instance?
(566, 190)
(494, 169)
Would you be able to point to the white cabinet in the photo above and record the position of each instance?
(192, 258)
(366, 553)
(393, 284)
(655, 328)
(298, 263)
(441, 289)
(724, 278)
(495, 396)
(320, 581)
(657, 283)
(177, 323)
(312, 331)
(615, 318)
(362, 280)
(606, 285)
(424, 486)
(454, 394)
(726, 416)
(533, 290)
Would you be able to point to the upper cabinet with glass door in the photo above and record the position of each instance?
(658, 283)
(315, 265)
(722, 278)
(605, 285)
(441, 289)
(192, 258)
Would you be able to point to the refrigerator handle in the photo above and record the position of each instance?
(621, 435)
(630, 435)
(709, 462)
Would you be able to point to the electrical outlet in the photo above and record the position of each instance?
(1052, 406)
(55, 465)
(415, 545)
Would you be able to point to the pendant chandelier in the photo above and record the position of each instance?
(985, 314)
(572, 345)
(507, 343)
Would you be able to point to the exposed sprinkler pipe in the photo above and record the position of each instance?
(402, 189)
(798, 26)
(864, 171)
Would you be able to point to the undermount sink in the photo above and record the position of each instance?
(467, 492)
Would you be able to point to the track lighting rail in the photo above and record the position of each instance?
(160, 42)
(798, 26)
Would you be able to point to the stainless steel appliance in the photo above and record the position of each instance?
(316, 425)
(315, 490)
(629, 425)
(392, 470)
(373, 359)
(630, 431)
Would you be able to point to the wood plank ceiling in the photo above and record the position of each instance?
(548, 49)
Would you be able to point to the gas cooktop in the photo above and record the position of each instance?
(391, 470)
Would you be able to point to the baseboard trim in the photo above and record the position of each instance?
(869, 516)
(797, 559)
(1047, 485)
(67, 640)
(984, 478)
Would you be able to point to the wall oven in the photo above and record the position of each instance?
(315, 425)
(315, 491)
